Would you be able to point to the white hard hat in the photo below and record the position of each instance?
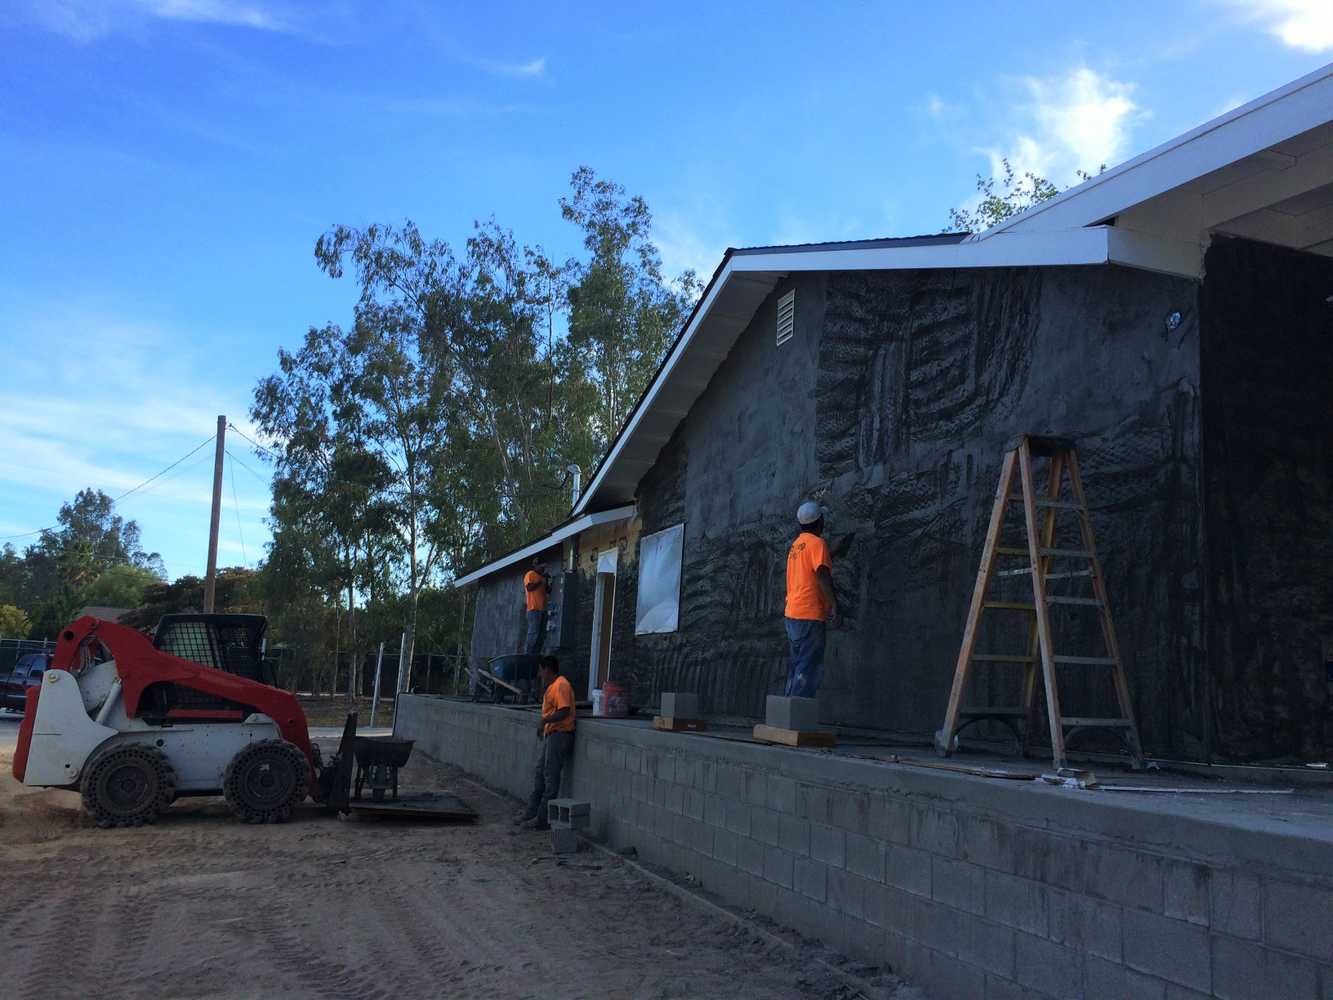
(809, 512)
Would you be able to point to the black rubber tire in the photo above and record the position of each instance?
(265, 781)
(127, 785)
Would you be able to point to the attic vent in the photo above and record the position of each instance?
(786, 317)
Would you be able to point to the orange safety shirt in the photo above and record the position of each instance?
(559, 695)
(805, 601)
(536, 596)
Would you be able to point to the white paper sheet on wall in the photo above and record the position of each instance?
(659, 581)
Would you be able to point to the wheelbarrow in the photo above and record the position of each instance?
(378, 759)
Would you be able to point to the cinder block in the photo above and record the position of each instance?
(680, 705)
(1173, 950)
(792, 713)
(564, 840)
(572, 813)
(1298, 917)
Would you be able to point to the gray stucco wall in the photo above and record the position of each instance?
(893, 403)
(966, 886)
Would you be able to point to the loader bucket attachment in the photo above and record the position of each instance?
(335, 781)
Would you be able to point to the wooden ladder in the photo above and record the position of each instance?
(1039, 520)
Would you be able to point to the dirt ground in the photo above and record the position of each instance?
(202, 906)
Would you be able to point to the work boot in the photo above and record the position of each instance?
(535, 823)
(522, 818)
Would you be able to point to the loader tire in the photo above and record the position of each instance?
(265, 780)
(127, 785)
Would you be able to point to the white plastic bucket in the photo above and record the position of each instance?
(598, 703)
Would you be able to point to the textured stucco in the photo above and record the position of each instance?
(1206, 454)
(893, 404)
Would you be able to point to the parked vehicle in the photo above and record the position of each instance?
(27, 672)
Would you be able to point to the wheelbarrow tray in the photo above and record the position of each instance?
(386, 750)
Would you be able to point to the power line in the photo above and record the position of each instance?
(136, 489)
(269, 452)
(246, 467)
(236, 508)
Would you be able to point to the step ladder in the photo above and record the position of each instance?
(1040, 524)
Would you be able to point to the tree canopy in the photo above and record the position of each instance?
(92, 554)
(438, 427)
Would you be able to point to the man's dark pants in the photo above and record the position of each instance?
(552, 756)
(536, 632)
(805, 639)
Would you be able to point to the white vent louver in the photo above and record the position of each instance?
(786, 317)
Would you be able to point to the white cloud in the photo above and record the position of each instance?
(86, 21)
(685, 246)
(530, 70)
(1300, 24)
(244, 15)
(1077, 121)
(94, 401)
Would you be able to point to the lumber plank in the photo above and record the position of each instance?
(674, 724)
(795, 737)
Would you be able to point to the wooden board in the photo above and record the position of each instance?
(417, 805)
(672, 724)
(795, 737)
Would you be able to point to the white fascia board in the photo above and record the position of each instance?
(554, 538)
(1182, 258)
(1267, 121)
(1062, 249)
(653, 390)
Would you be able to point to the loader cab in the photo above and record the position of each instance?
(234, 643)
(231, 643)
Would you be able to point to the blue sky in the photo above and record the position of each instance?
(166, 166)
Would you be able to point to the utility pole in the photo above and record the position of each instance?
(211, 579)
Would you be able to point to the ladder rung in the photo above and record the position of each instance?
(979, 711)
(1090, 723)
(1090, 602)
(1009, 606)
(1047, 502)
(1009, 550)
(1065, 576)
(1017, 572)
(1066, 553)
(1003, 658)
(1085, 661)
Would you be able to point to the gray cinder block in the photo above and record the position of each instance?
(564, 840)
(792, 713)
(680, 705)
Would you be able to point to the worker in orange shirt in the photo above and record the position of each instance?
(810, 602)
(555, 729)
(536, 585)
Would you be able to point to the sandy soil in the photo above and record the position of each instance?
(201, 906)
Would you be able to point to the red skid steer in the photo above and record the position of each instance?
(133, 723)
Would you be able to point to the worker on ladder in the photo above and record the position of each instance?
(536, 585)
(810, 602)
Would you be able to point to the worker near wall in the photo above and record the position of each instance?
(810, 602)
(536, 585)
(555, 729)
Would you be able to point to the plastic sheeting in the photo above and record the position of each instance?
(659, 581)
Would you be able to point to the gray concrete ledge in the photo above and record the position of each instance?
(969, 886)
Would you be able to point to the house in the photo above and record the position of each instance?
(1172, 315)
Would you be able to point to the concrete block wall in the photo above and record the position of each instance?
(967, 887)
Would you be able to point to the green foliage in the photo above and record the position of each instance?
(437, 429)
(1016, 194)
(238, 589)
(56, 574)
(121, 586)
(14, 622)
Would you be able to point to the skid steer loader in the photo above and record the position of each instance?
(133, 723)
